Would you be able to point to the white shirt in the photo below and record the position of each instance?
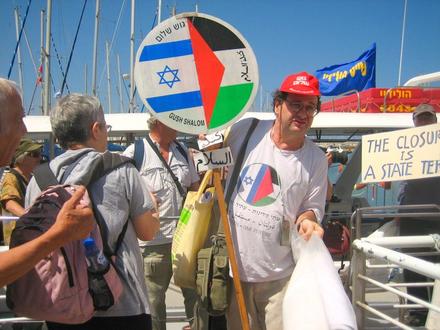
(273, 184)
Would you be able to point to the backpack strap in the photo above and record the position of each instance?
(173, 176)
(2, 174)
(239, 160)
(181, 150)
(139, 151)
(237, 166)
(45, 177)
(108, 162)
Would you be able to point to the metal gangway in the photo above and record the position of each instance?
(380, 302)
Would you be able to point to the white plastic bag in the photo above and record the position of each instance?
(315, 298)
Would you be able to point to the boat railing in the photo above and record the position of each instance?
(348, 93)
(387, 299)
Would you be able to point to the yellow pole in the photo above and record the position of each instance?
(231, 251)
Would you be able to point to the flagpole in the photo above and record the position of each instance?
(401, 43)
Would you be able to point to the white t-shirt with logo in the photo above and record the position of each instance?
(273, 184)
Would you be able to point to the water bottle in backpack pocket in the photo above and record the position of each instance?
(97, 266)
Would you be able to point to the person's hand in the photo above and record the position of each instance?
(307, 227)
(75, 220)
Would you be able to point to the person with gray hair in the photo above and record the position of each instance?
(169, 172)
(78, 123)
(74, 221)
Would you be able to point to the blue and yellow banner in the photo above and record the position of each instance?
(357, 75)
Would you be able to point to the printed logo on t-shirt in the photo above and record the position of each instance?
(258, 184)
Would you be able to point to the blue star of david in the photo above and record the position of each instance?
(248, 180)
(168, 76)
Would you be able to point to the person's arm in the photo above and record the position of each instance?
(74, 221)
(143, 206)
(329, 193)
(146, 225)
(312, 209)
(307, 224)
(13, 207)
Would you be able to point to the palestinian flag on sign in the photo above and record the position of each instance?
(194, 72)
(259, 185)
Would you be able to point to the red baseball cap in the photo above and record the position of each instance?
(301, 83)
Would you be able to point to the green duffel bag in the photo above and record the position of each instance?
(213, 276)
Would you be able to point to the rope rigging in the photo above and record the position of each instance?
(59, 64)
(73, 48)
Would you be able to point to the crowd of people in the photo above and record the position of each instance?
(282, 184)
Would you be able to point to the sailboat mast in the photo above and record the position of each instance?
(20, 64)
(121, 104)
(107, 56)
(42, 57)
(401, 44)
(46, 80)
(159, 11)
(86, 87)
(95, 47)
(132, 105)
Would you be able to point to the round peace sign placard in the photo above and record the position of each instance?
(196, 73)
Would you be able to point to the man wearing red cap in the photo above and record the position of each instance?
(282, 184)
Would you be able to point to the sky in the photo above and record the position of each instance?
(286, 37)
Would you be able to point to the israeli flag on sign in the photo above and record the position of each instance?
(195, 73)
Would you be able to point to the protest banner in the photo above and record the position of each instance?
(406, 154)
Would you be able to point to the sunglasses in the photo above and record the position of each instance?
(35, 154)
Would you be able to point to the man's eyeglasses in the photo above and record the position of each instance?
(311, 109)
(107, 127)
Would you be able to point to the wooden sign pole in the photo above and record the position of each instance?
(231, 252)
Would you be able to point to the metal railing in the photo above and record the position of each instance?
(353, 91)
(384, 249)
